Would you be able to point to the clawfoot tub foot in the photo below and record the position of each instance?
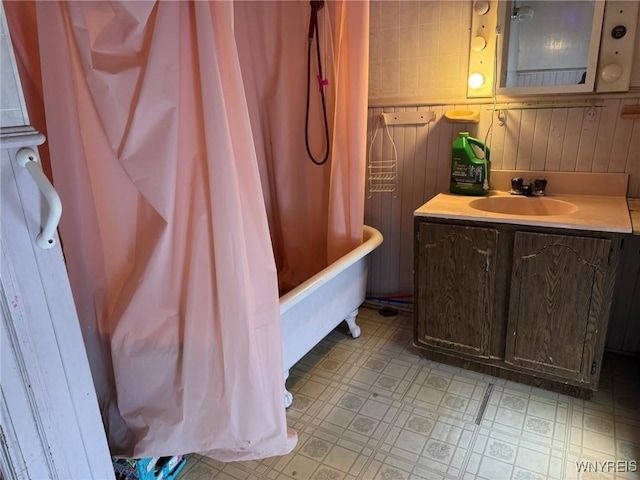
(288, 396)
(351, 322)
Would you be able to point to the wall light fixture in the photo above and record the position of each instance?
(476, 80)
(484, 21)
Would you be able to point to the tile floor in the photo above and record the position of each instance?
(372, 409)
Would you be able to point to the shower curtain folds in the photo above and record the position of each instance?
(175, 136)
(315, 213)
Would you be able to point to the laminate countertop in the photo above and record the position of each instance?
(634, 212)
(579, 212)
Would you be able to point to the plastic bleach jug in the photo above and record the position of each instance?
(469, 173)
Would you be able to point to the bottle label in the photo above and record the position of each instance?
(465, 175)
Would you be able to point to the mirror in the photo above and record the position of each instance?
(548, 46)
(524, 47)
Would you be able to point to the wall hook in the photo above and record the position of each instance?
(502, 117)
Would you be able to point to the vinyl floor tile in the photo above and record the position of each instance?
(373, 409)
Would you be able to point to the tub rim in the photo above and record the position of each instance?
(371, 239)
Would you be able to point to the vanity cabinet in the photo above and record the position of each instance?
(556, 301)
(526, 303)
(455, 266)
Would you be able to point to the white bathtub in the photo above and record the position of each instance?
(314, 308)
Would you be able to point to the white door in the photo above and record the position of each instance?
(50, 423)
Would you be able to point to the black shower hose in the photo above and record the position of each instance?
(313, 29)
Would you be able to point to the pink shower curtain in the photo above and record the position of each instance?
(169, 125)
(315, 212)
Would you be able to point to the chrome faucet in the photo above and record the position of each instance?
(519, 186)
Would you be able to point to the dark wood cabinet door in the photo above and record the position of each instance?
(454, 286)
(556, 303)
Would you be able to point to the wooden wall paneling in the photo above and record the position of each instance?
(571, 140)
(432, 156)
(556, 138)
(633, 161)
(496, 136)
(403, 214)
(369, 211)
(463, 127)
(386, 207)
(471, 128)
(479, 130)
(608, 118)
(540, 145)
(621, 139)
(373, 205)
(525, 139)
(482, 126)
(588, 136)
(445, 155)
(512, 132)
(420, 171)
(411, 201)
(445, 136)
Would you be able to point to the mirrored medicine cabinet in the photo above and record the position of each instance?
(531, 47)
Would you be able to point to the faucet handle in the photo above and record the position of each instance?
(539, 185)
(516, 185)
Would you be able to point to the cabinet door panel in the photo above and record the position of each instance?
(556, 300)
(454, 285)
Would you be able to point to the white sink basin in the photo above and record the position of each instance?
(520, 205)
